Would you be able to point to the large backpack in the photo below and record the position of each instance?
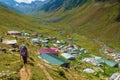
(23, 51)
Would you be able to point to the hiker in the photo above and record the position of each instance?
(24, 53)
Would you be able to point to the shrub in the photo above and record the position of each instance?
(14, 77)
(61, 73)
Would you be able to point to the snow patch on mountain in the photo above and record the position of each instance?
(27, 1)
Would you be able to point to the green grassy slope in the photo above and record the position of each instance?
(12, 21)
(92, 19)
(11, 62)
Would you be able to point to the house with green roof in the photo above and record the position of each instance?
(55, 60)
(108, 62)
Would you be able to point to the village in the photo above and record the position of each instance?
(62, 53)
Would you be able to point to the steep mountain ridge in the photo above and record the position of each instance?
(10, 20)
(97, 19)
(14, 21)
(94, 19)
(47, 5)
(23, 8)
(57, 4)
(83, 22)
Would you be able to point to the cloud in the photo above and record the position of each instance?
(25, 1)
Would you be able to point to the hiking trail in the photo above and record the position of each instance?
(45, 72)
(25, 73)
(104, 46)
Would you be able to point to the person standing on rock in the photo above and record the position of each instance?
(24, 53)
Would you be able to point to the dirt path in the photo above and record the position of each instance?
(104, 46)
(45, 72)
(75, 76)
(25, 73)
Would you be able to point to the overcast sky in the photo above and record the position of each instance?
(27, 1)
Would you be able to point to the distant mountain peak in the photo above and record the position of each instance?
(34, 6)
(22, 6)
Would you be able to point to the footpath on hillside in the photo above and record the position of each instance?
(25, 73)
(45, 72)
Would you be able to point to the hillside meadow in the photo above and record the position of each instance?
(82, 26)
